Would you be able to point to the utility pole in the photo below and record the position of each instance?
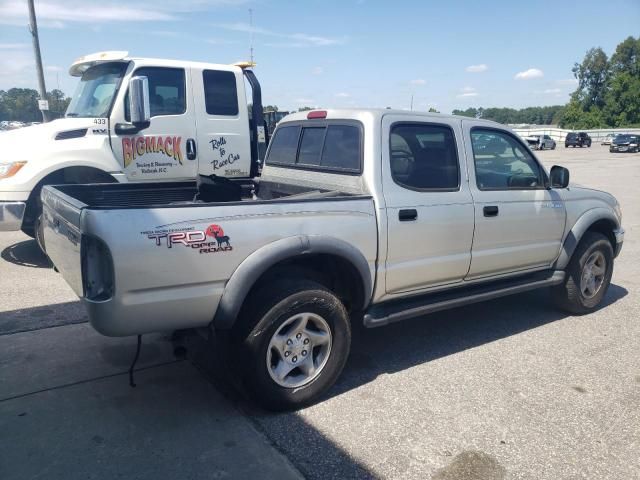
(33, 28)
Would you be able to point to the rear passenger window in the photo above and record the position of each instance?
(424, 157)
(284, 145)
(328, 147)
(220, 92)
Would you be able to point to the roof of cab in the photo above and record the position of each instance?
(82, 64)
(356, 113)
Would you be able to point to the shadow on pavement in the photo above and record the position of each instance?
(403, 345)
(36, 318)
(387, 350)
(26, 254)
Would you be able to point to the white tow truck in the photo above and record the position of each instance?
(197, 122)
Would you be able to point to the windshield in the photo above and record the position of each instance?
(95, 92)
(623, 138)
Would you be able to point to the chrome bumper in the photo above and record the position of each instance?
(619, 240)
(11, 214)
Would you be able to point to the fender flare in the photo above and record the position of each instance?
(574, 235)
(256, 264)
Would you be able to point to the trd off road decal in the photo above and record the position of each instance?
(210, 240)
(169, 148)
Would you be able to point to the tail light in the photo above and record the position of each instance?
(97, 269)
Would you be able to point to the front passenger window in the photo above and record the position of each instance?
(502, 163)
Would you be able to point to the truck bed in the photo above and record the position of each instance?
(177, 194)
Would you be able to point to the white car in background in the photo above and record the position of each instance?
(608, 139)
(535, 142)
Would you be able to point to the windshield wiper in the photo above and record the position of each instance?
(72, 114)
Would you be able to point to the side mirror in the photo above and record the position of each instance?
(139, 102)
(559, 177)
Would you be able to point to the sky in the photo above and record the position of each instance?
(348, 53)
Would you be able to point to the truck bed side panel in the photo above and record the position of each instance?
(171, 264)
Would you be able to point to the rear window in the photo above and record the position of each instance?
(220, 92)
(325, 146)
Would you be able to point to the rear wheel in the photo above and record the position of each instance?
(588, 275)
(295, 342)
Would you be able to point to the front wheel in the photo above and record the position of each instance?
(298, 345)
(588, 275)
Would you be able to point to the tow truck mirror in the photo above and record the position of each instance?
(139, 102)
(559, 177)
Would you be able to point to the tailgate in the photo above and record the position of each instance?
(62, 235)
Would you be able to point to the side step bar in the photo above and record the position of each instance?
(395, 311)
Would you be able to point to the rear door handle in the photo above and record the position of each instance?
(408, 215)
(191, 149)
(490, 211)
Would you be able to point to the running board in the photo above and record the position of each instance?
(395, 311)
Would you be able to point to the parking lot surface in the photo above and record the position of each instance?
(507, 389)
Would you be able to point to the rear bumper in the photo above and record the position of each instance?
(619, 240)
(11, 215)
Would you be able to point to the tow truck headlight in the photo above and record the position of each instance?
(10, 169)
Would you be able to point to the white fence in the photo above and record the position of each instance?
(559, 134)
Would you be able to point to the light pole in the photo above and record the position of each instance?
(43, 104)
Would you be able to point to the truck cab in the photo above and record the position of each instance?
(195, 122)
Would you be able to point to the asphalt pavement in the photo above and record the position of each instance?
(507, 389)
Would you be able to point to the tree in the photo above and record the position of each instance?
(627, 57)
(21, 104)
(592, 75)
(433, 110)
(304, 109)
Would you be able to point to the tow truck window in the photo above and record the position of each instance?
(220, 92)
(166, 91)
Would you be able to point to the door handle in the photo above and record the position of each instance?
(191, 149)
(490, 211)
(408, 215)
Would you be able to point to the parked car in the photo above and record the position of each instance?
(541, 142)
(577, 139)
(368, 216)
(625, 143)
(608, 139)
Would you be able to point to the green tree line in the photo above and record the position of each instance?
(538, 115)
(21, 104)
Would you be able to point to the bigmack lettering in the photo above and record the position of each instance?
(135, 147)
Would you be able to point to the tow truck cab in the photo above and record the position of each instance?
(183, 119)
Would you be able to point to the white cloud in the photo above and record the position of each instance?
(317, 70)
(53, 13)
(297, 39)
(477, 68)
(342, 95)
(567, 81)
(305, 101)
(418, 81)
(12, 46)
(529, 74)
(53, 68)
(467, 92)
(552, 90)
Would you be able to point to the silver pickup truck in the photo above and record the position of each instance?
(370, 216)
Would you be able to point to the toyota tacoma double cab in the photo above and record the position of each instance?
(367, 216)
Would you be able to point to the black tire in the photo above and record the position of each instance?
(569, 295)
(270, 308)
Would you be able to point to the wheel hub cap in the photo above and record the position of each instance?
(593, 274)
(299, 350)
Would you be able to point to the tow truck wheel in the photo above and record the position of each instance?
(38, 228)
(297, 347)
(588, 275)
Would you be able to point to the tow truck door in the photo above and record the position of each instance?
(222, 121)
(159, 152)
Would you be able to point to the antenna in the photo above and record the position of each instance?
(251, 34)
